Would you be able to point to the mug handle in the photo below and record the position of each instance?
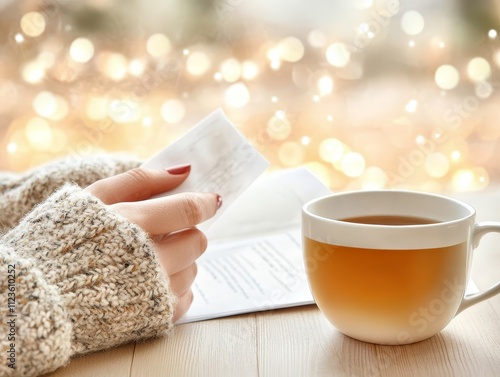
(479, 231)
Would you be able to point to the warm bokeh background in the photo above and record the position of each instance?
(366, 93)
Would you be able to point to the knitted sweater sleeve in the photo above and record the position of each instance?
(76, 277)
(19, 193)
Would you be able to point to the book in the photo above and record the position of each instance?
(254, 259)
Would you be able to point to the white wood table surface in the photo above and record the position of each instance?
(300, 342)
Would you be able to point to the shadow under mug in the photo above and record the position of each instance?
(391, 284)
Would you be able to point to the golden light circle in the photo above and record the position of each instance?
(136, 67)
(278, 127)
(316, 38)
(338, 55)
(290, 49)
(325, 85)
(331, 150)
(437, 165)
(412, 22)
(39, 133)
(97, 108)
(173, 111)
(33, 24)
(230, 70)
(112, 65)
(447, 77)
(33, 73)
(158, 45)
(45, 104)
(198, 63)
(478, 69)
(373, 178)
(237, 95)
(250, 70)
(353, 164)
(81, 50)
(291, 154)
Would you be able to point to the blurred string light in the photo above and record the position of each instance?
(173, 111)
(81, 50)
(447, 77)
(412, 22)
(33, 24)
(478, 69)
(198, 63)
(301, 120)
(338, 55)
(158, 45)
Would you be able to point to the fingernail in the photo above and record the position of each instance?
(219, 201)
(179, 169)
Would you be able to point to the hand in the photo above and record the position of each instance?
(170, 221)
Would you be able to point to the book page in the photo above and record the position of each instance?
(256, 274)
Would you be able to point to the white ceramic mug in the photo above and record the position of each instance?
(391, 284)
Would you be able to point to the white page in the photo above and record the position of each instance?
(222, 161)
(255, 274)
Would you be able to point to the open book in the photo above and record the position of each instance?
(254, 258)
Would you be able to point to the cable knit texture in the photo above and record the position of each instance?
(20, 193)
(86, 278)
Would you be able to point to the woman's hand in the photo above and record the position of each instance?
(170, 221)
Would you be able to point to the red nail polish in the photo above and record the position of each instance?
(179, 169)
(219, 201)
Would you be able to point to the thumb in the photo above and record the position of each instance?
(138, 184)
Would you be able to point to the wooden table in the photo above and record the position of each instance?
(300, 342)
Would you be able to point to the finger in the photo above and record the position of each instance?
(172, 213)
(181, 281)
(179, 250)
(138, 184)
(183, 305)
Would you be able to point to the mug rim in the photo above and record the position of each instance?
(306, 211)
(454, 220)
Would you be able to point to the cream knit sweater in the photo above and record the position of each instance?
(74, 276)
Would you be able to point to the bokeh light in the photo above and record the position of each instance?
(291, 153)
(332, 150)
(353, 164)
(33, 24)
(33, 72)
(112, 65)
(412, 22)
(45, 104)
(230, 70)
(158, 45)
(437, 164)
(81, 50)
(39, 134)
(338, 55)
(173, 111)
(478, 69)
(447, 77)
(198, 63)
(362, 93)
(237, 95)
(290, 49)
